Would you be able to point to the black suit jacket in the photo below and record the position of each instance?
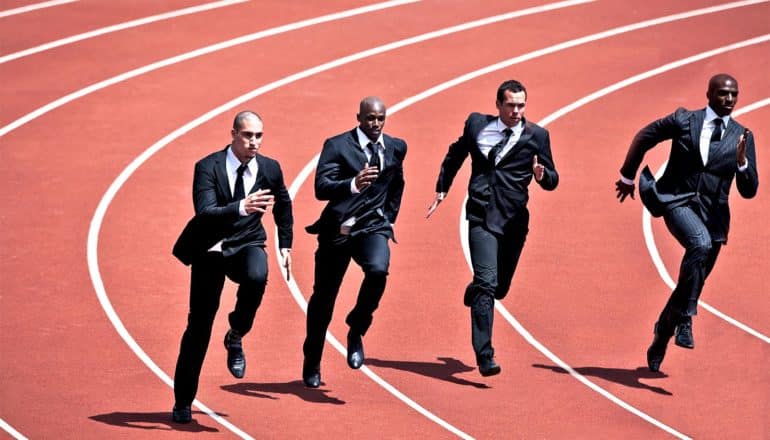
(498, 194)
(686, 180)
(377, 206)
(216, 213)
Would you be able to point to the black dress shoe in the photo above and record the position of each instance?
(236, 360)
(488, 367)
(657, 350)
(311, 374)
(181, 414)
(355, 350)
(683, 337)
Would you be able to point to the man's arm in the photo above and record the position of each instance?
(746, 179)
(396, 187)
(549, 178)
(205, 194)
(452, 162)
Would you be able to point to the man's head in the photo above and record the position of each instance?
(371, 117)
(511, 102)
(722, 94)
(247, 135)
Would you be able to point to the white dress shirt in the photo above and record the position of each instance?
(708, 129)
(493, 133)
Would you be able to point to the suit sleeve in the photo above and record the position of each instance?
(282, 210)
(747, 180)
(454, 159)
(329, 183)
(205, 195)
(648, 137)
(396, 188)
(550, 177)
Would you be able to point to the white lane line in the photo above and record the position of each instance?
(649, 240)
(36, 6)
(550, 118)
(10, 430)
(134, 165)
(197, 53)
(117, 27)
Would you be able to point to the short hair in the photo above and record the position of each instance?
(512, 86)
(243, 115)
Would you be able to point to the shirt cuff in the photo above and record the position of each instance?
(744, 167)
(242, 209)
(626, 180)
(353, 189)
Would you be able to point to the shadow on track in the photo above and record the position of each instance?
(623, 376)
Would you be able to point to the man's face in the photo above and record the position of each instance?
(723, 95)
(247, 139)
(371, 119)
(511, 108)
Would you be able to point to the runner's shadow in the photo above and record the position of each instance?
(444, 370)
(151, 421)
(296, 388)
(623, 376)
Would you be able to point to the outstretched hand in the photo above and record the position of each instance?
(624, 190)
(741, 148)
(258, 201)
(537, 169)
(286, 263)
(366, 177)
(438, 199)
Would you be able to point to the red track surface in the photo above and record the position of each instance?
(585, 288)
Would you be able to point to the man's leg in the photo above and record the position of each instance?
(206, 282)
(508, 255)
(481, 293)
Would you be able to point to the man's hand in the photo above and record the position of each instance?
(438, 199)
(537, 169)
(258, 201)
(286, 262)
(624, 190)
(366, 177)
(741, 148)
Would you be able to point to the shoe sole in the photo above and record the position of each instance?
(490, 372)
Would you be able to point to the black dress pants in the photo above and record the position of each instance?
(699, 258)
(371, 252)
(494, 258)
(247, 268)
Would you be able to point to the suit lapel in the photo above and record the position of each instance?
(220, 174)
(387, 152)
(260, 182)
(696, 125)
(356, 150)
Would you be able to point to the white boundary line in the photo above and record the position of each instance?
(550, 118)
(649, 239)
(10, 430)
(117, 27)
(110, 194)
(34, 7)
(194, 54)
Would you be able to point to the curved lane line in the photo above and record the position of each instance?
(11, 431)
(649, 240)
(112, 190)
(93, 234)
(550, 118)
(194, 54)
(34, 7)
(117, 27)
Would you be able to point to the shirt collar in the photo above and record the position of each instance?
(233, 163)
(363, 139)
(500, 126)
(711, 115)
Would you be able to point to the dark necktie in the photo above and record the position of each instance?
(716, 136)
(374, 160)
(238, 192)
(497, 148)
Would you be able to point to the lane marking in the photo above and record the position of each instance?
(34, 7)
(11, 431)
(117, 27)
(652, 248)
(197, 53)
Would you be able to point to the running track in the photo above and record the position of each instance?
(100, 132)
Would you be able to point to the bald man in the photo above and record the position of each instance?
(360, 175)
(709, 150)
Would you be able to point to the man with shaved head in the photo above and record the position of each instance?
(360, 175)
(709, 150)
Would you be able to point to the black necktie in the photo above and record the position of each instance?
(238, 192)
(716, 136)
(496, 149)
(374, 161)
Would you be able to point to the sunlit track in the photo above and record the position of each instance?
(652, 248)
(118, 27)
(11, 431)
(197, 53)
(34, 7)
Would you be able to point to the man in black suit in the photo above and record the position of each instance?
(360, 173)
(708, 150)
(506, 151)
(232, 189)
